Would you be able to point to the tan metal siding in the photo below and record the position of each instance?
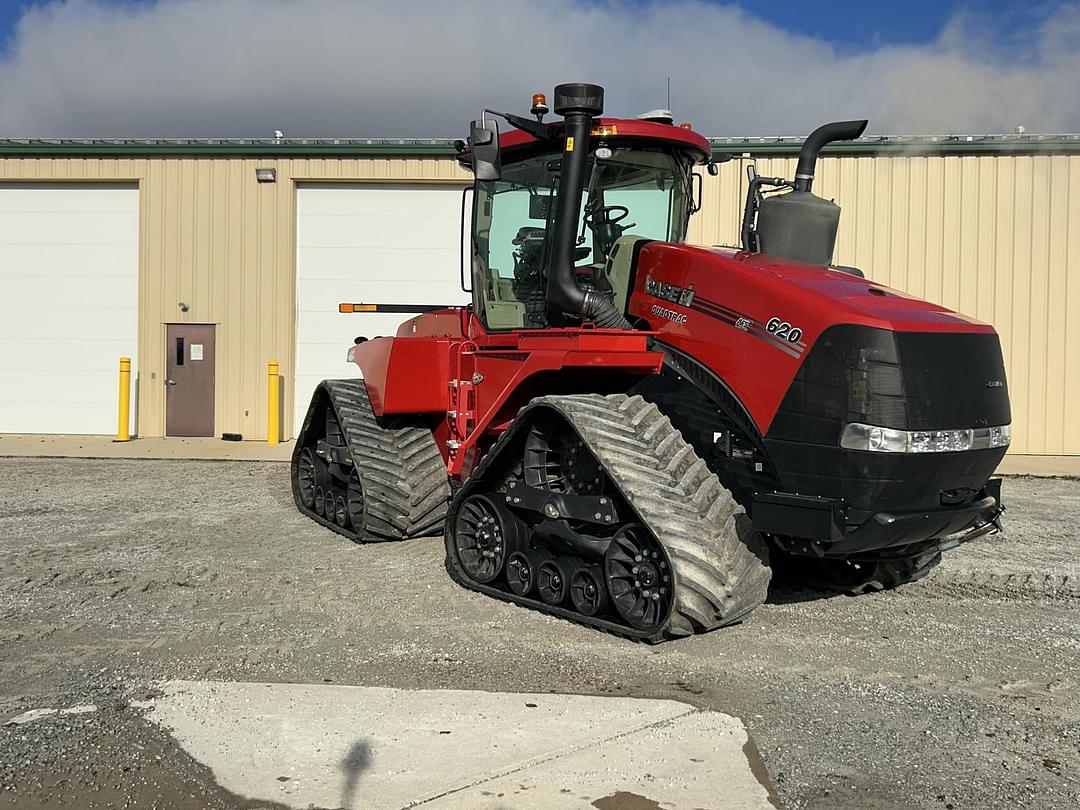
(994, 237)
(215, 239)
(997, 237)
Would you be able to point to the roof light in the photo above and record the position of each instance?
(539, 105)
(604, 129)
(686, 125)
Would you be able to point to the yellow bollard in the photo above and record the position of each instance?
(123, 433)
(273, 403)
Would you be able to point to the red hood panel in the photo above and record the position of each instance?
(751, 319)
(833, 295)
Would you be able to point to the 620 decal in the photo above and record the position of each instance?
(783, 329)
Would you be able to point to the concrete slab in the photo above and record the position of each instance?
(57, 446)
(368, 747)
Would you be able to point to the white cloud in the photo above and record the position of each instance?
(387, 68)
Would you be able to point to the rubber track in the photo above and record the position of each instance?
(406, 489)
(720, 565)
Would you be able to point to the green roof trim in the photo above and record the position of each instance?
(440, 147)
(240, 147)
(910, 146)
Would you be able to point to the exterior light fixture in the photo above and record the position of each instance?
(266, 175)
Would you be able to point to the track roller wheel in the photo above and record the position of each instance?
(320, 501)
(341, 514)
(552, 581)
(485, 533)
(520, 574)
(587, 591)
(639, 577)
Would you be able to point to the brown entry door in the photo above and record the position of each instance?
(189, 380)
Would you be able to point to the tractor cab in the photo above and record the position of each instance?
(557, 209)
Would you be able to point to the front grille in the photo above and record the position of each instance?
(907, 381)
(902, 380)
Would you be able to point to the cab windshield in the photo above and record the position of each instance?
(630, 194)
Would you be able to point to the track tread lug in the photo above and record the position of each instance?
(406, 490)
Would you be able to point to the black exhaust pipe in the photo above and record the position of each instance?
(578, 104)
(816, 140)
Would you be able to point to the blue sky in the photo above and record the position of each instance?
(419, 68)
(845, 24)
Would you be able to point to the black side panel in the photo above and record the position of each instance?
(715, 423)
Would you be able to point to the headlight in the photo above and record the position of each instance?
(857, 436)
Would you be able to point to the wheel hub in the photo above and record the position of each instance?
(639, 578)
(480, 537)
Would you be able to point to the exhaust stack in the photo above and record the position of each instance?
(798, 225)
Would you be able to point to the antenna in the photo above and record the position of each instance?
(669, 92)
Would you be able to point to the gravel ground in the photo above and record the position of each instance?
(960, 691)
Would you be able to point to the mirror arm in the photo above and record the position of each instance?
(544, 132)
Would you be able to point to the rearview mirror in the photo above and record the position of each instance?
(696, 192)
(484, 142)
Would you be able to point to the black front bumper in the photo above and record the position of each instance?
(817, 526)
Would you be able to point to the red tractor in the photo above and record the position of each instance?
(632, 433)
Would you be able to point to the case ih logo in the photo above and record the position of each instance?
(669, 292)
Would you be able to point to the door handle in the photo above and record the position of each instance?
(170, 382)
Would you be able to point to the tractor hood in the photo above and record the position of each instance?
(753, 319)
(766, 287)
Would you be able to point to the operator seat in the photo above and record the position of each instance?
(619, 265)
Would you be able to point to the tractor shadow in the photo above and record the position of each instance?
(787, 589)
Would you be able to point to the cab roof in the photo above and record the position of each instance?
(620, 129)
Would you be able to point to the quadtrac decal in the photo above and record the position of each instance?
(777, 332)
(669, 314)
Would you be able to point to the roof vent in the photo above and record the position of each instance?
(658, 117)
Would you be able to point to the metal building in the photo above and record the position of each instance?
(203, 260)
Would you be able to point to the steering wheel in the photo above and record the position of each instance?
(607, 215)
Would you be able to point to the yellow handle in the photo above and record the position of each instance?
(273, 403)
(123, 433)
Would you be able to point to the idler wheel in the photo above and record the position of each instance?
(354, 501)
(638, 578)
(552, 581)
(587, 590)
(305, 477)
(485, 534)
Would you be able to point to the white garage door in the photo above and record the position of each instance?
(367, 244)
(69, 288)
